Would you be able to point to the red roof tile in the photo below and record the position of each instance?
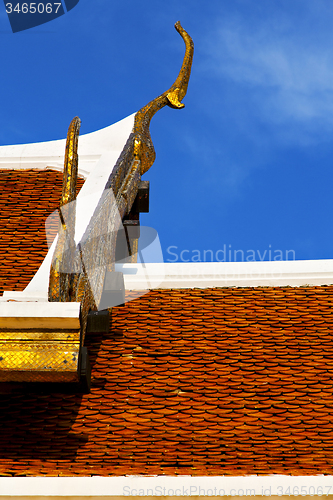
(27, 197)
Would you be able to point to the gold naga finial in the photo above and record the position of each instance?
(71, 163)
(138, 156)
(59, 288)
(143, 146)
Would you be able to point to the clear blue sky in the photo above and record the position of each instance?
(247, 164)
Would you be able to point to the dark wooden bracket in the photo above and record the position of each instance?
(141, 202)
(98, 321)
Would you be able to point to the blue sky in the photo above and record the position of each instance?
(247, 164)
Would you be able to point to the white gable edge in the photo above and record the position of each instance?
(227, 274)
(51, 154)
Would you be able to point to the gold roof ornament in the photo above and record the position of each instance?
(143, 146)
(82, 263)
(136, 159)
(60, 282)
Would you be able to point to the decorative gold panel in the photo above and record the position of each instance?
(39, 361)
(39, 335)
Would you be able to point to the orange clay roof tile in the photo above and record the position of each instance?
(27, 197)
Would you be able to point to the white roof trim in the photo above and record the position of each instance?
(32, 315)
(227, 274)
(51, 154)
(166, 486)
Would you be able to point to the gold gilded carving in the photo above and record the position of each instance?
(69, 180)
(143, 146)
(98, 251)
(97, 254)
(60, 283)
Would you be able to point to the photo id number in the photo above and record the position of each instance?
(33, 8)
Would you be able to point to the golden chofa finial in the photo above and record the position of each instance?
(178, 90)
(59, 288)
(143, 146)
(71, 163)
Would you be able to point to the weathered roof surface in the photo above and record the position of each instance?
(224, 381)
(27, 197)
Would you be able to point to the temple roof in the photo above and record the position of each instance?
(212, 381)
(211, 377)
